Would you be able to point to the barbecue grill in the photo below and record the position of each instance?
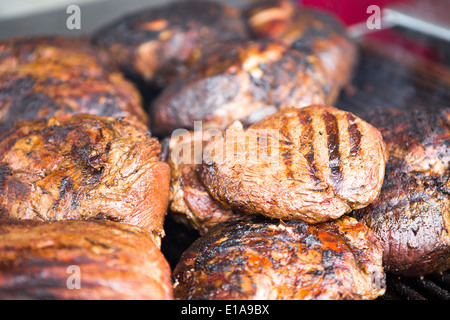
(385, 77)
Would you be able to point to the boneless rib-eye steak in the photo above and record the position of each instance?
(412, 214)
(245, 81)
(85, 167)
(53, 76)
(272, 259)
(314, 164)
(80, 260)
(311, 32)
(157, 44)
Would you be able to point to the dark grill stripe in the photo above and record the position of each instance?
(331, 126)
(354, 135)
(286, 152)
(306, 141)
(287, 158)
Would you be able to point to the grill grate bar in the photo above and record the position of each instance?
(430, 288)
(442, 279)
(403, 290)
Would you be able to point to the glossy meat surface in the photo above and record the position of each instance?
(314, 164)
(412, 214)
(158, 44)
(85, 167)
(80, 260)
(46, 76)
(269, 259)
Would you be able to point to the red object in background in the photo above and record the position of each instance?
(350, 11)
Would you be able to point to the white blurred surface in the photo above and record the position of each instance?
(26, 17)
(19, 8)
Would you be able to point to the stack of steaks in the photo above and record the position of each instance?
(292, 197)
(81, 181)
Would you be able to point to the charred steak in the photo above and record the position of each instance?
(244, 81)
(412, 214)
(157, 44)
(311, 32)
(43, 77)
(85, 167)
(269, 259)
(313, 164)
(113, 261)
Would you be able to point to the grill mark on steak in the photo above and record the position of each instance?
(308, 148)
(287, 159)
(332, 129)
(287, 155)
(354, 135)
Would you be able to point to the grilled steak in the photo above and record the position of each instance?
(157, 44)
(268, 259)
(43, 77)
(189, 201)
(411, 216)
(244, 81)
(313, 164)
(85, 167)
(311, 32)
(80, 260)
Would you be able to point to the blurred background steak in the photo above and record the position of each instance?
(54, 76)
(245, 81)
(310, 31)
(154, 46)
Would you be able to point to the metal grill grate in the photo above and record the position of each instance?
(430, 287)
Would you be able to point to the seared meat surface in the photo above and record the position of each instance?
(43, 77)
(85, 167)
(412, 214)
(269, 259)
(311, 32)
(244, 81)
(189, 201)
(109, 259)
(313, 164)
(158, 44)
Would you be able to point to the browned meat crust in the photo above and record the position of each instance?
(268, 259)
(311, 32)
(157, 44)
(85, 167)
(412, 214)
(43, 77)
(313, 164)
(189, 202)
(243, 81)
(113, 260)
